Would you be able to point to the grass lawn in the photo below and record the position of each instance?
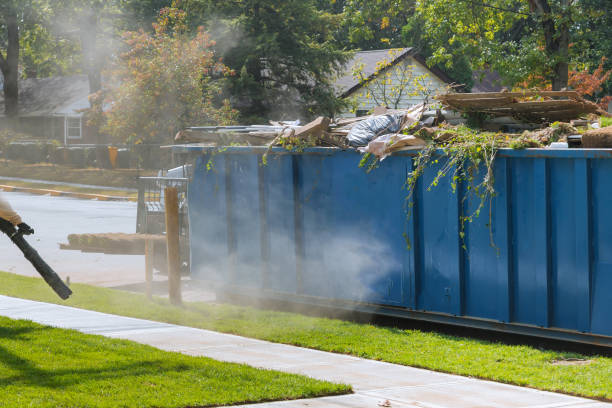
(515, 364)
(73, 189)
(52, 172)
(41, 366)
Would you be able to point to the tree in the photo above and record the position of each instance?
(371, 25)
(517, 38)
(9, 59)
(592, 42)
(283, 53)
(163, 82)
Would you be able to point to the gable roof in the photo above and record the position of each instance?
(52, 96)
(347, 84)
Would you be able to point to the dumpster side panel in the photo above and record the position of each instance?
(570, 277)
(440, 260)
(366, 247)
(244, 219)
(313, 175)
(530, 234)
(602, 247)
(486, 291)
(208, 221)
(280, 221)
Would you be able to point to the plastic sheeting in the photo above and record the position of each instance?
(369, 129)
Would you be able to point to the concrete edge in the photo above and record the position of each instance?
(58, 193)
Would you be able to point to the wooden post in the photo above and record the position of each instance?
(149, 253)
(172, 238)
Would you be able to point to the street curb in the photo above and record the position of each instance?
(58, 193)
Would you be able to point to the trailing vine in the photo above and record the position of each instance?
(466, 157)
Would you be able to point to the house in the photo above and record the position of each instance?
(395, 78)
(50, 108)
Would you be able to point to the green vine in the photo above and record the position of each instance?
(290, 143)
(466, 157)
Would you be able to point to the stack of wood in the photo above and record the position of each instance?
(530, 106)
(112, 243)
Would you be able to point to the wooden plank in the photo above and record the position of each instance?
(172, 238)
(483, 95)
(542, 106)
(479, 103)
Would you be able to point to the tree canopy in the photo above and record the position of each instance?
(283, 53)
(163, 81)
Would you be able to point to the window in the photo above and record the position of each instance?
(73, 127)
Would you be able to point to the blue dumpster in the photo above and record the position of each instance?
(313, 227)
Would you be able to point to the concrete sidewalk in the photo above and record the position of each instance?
(375, 383)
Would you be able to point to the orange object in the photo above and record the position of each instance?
(112, 156)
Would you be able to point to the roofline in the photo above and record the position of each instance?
(410, 52)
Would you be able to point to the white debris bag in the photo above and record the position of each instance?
(369, 129)
(384, 145)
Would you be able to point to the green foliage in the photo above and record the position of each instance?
(163, 82)
(513, 364)
(520, 40)
(605, 121)
(371, 25)
(282, 51)
(466, 158)
(49, 367)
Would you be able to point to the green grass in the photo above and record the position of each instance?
(54, 172)
(515, 364)
(604, 121)
(42, 366)
(72, 189)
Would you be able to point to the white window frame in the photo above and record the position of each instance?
(66, 127)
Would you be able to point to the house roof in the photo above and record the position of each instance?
(52, 96)
(347, 84)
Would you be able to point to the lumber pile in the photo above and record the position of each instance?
(112, 243)
(529, 106)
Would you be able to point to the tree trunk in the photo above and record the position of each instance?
(88, 34)
(10, 66)
(561, 68)
(556, 37)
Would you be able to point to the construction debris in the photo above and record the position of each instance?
(531, 106)
(527, 119)
(369, 129)
(386, 144)
(597, 138)
(315, 129)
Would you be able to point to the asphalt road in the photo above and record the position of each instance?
(53, 218)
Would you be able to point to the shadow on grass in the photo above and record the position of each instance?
(29, 373)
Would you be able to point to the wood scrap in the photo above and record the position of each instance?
(111, 243)
(313, 129)
(558, 105)
(597, 138)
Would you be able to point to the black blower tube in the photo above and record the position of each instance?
(39, 264)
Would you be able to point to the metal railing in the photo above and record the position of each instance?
(151, 208)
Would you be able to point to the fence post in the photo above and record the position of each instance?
(149, 253)
(172, 238)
